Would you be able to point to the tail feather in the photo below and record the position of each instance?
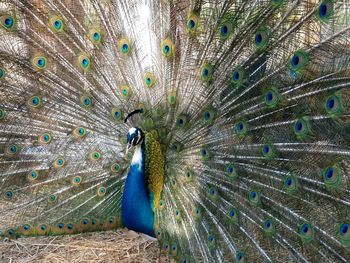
(248, 100)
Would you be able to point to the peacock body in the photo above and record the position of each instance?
(236, 126)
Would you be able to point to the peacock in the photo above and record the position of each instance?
(220, 128)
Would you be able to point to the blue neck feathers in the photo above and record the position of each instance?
(137, 212)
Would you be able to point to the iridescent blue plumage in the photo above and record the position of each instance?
(137, 212)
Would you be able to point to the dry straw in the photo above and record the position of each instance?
(112, 246)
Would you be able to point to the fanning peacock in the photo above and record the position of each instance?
(221, 128)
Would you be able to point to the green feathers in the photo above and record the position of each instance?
(244, 106)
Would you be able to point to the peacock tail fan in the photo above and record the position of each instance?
(245, 107)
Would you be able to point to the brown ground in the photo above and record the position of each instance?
(113, 246)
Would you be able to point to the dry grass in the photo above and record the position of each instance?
(112, 246)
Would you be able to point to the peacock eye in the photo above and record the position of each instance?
(2, 73)
(167, 48)
(84, 62)
(7, 22)
(124, 46)
(325, 10)
(191, 24)
(344, 229)
(95, 36)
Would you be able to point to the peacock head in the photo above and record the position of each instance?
(135, 135)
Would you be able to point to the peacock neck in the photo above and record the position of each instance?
(137, 212)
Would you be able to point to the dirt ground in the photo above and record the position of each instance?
(112, 246)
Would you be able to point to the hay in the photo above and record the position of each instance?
(111, 246)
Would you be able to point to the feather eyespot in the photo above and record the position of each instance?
(59, 163)
(125, 91)
(2, 73)
(205, 154)
(343, 233)
(206, 72)
(231, 171)
(12, 149)
(226, 30)
(344, 229)
(238, 76)
(95, 36)
(301, 128)
(240, 257)
(86, 101)
(35, 102)
(332, 177)
(298, 61)
(39, 62)
(233, 215)
(181, 121)
(124, 46)
(117, 114)
(306, 232)
(290, 184)
(45, 138)
(254, 198)
(8, 22)
(53, 198)
(42, 229)
(84, 62)
(33, 175)
(115, 167)
(268, 152)
(76, 181)
(334, 105)
(26, 229)
(241, 128)
(268, 227)
(95, 156)
(166, 247)
(149, 79)
(167, 48)
(173, 249)
(9, 195)
(2, 114)
(101, 191)
(262, 38)
(56, 24)
(325, 10)
(192, 23)
(79, 132)
(272, 98)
